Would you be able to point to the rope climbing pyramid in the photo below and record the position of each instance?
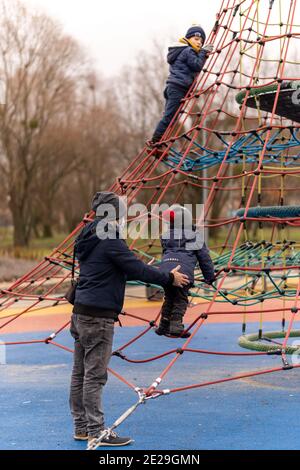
(234, 145)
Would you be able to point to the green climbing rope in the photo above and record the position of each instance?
(288, 104)
(279, 212)
(255, 343)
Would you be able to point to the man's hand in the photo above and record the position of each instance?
(180, 280)
(208, 48)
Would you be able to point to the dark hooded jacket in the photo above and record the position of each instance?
(185, 64)
(186, 248)
(105, 266)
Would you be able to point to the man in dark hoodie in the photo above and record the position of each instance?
(186, 59)
(182, 245)
(106, 263)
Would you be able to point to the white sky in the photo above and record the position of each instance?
(113, 31)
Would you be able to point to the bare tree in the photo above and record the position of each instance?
(39, 65)
(100, 137)
(140, 95)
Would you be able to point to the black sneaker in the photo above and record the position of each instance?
(180, 335)
(113, 440)
(80, 436)
(161, 331)
(154, 140)
(157, 153)
(163, 327)
(177, 330)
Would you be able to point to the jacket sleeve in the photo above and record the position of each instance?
(195, 61)
(206, 264)
(133, 268)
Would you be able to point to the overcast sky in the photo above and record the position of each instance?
(113, 31)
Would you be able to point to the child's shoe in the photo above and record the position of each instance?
(80, 437)
(155, 151)
(177, 328)
(163, 327)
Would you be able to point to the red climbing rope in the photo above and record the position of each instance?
(209, 130)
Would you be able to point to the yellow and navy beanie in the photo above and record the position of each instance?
(196, 30)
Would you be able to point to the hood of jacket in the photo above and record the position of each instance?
(175, 51)
(176, 238)
(86, 241)
(89, 239)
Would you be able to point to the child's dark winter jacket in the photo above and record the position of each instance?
(185, 248)
(185, 64)
(105, 266)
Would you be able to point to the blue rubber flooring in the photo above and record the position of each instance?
(258, 413)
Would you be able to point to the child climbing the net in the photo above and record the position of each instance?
(182, 245)
(186, 59)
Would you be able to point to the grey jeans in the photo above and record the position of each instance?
(93, 347)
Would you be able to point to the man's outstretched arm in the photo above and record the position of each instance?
(135, 269)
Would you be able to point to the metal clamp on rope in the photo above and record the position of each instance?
(50, 338)
(141, 394)
(286, 365)
(275, 352)
(156, 383)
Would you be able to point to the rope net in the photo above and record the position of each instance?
(234, 145)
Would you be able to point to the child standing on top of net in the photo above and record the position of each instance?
(182, 245)
(186, 59)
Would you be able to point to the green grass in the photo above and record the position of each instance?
(37, 249)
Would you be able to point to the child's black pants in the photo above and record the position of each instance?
(173, 95)
(176, 302)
